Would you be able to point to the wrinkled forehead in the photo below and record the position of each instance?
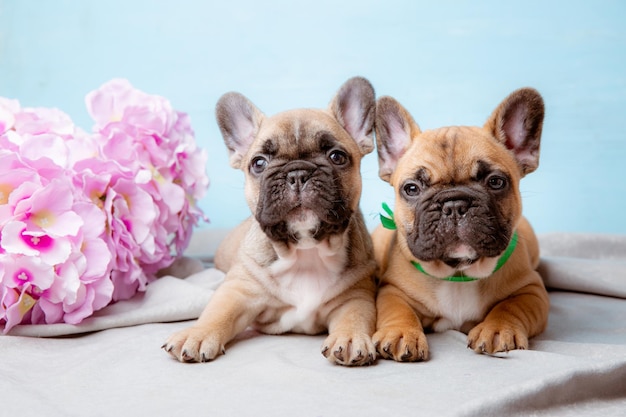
(300, 132)
(458, 153)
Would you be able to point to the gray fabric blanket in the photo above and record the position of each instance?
(112, 364)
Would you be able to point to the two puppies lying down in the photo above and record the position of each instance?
(305, 262)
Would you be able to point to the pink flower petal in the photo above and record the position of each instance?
(45, 145)
(12, 241)
(82, 308)
(7, 119)
(17, 239)
(107, 103)
(21, 270)
(98, 259)
(17, 305)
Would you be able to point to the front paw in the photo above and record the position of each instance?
(496, 337)
(401, 344)
(349, 349)
(194, 345)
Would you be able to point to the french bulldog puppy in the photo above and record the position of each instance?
(303, 262)
(462, 256)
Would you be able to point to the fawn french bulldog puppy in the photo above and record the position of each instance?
(303, 262)
(462, 256)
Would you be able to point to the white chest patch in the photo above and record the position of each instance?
(459, 303)
(304, 281)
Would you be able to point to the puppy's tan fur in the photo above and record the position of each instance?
(295, 271)
(501, 311)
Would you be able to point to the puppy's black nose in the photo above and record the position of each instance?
(453, 208)
(297, 178)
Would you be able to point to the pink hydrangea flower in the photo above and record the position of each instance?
(89, 219)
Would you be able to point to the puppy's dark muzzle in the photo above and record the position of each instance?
(458, 215)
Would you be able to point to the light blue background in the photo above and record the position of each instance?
(448, 62)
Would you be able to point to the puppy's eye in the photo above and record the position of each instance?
(411, 189)
(496, 182)
(258, 164)
(338, 157)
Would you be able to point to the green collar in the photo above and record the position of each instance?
(389, 223)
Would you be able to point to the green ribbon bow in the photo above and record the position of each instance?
(388, 222)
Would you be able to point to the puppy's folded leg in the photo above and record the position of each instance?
(511, 322)
(400, 335)
(231, 309)
(350, 329)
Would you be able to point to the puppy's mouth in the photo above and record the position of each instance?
(461, 257)
(302, 223)
(459, 263)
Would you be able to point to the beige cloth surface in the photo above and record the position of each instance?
(112, 364)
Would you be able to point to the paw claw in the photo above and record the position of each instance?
(359, 357)
(339, 353)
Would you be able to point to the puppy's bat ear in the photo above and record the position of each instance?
(395, 129)
(239, 122)
(517, 123)
(354, 107)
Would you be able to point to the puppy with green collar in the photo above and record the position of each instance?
(461, 256)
